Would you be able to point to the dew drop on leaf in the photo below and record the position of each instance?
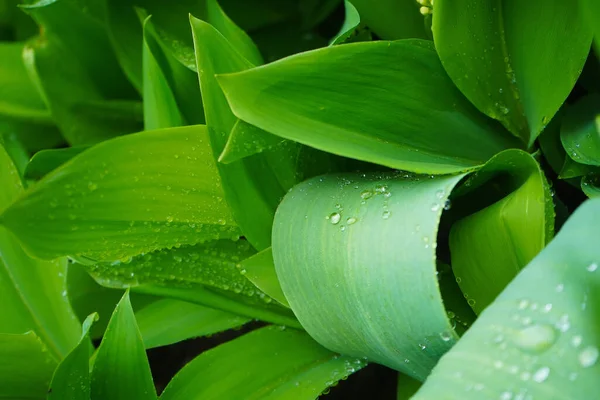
(541, 374)
(588, 356)
(335, 218)
(535, 338)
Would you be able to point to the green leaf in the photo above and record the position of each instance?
(246, 140)
(573, 169)
(269, 363)
(493, 53)
(160, 106)
(491, 245)
(121, 370)
(590, 15)
(407, 387)
(539, 338)
(169, 321)
(210, 271)
(26, 367)
(19, 98)
(125, 196)
(580, 131)
(71, 378)
(342, 294)
(392, 19)
(32, 292)
(352, 28)
(590, 184)
(45, 161)
(260, 270)
(550, 144)
(423, 125)
(251, 187)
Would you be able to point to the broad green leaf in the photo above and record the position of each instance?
(344, 244)
(550, 144)
(32, 292)
(45, 161)
(121, 370)
(591, 16)
(260, 270)
(392, 19)
(19, 98)
(314, 12)
(260, 14)
(246, 140)
(580, 131)
(573, 169)
(407, 387)
(125, 196)
(539, 338)
(160, 106)
(423, 125)
(352, 29)
(71, 379)
(491, 245)
(209, 271)
(590, 184)
(269, 363)
(493, 51)
(16, 151)
(251, 187)
(26, 367)
(170, 321)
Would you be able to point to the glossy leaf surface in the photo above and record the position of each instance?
(516, 62)
(260, 270)
(125, 196)
(424, 125)
(580, 131)
(392, 19)
(269, 363)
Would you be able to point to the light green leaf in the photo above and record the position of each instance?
(392, 19)
(251, 188)
(580, 131)
(32, 292)
(260, 270)
(26, 367)
(491, 245)
(71, 378)
(344, 244)
(121, 370)
(169, 321)
(493, 52)
(125, 196)
(210, 271)
(246, 140)
(269, 363)
(160, 106)
(539, 338)
(45, 161)
(423, 125)
(590, 184)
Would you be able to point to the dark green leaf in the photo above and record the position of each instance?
(121, 370)
(539, 338)
(580, 131)
(493, 51)
(423, 125)
(126, 196)
(170, 321)
(26, 367)
(71, 378)
(590, 184)
(392, 19)
(351, 28)
(246, 140)
(270, 363)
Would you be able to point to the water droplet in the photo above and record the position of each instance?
(335, 218)
(498, 364)
(541, 374)
(458, 279)
(576, 340)
(92, 186)
(523, 304)
(435, 207)
(563, 324)
(535, 338)
(525, 376)
(471, 302)
(560, 287)
(445, 336)
(422, 346)
(592, 267)
(351, 220)
(386, 214)
(440, 194)
(366, 194)
(169, 218)
(588, 356)
(547, 308)
(505, 396)
(447, 204)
